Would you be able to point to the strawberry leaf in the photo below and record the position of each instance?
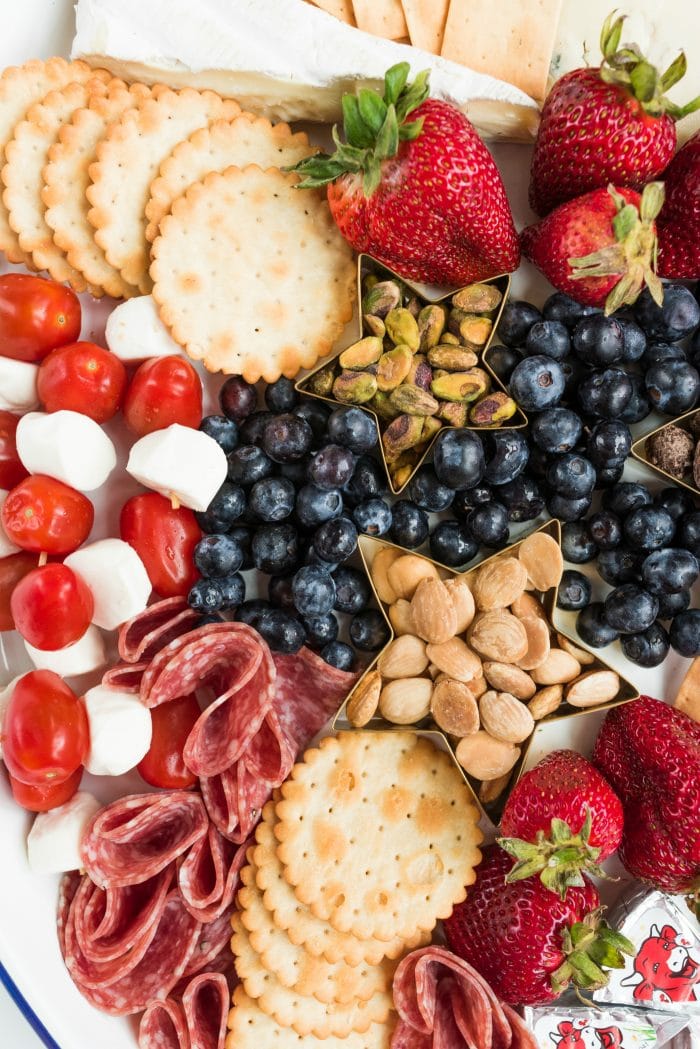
(372, 109)
(356, 131)
(409, 132)
(413, 96)
(643, 78)
(675, 72)
(388, 138)
(395, 80)
(373, 176)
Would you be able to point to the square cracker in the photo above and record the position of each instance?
(381, 18)
(512, 40)
(426, 23)
(342, 9)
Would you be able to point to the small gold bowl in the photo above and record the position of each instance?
(639, 448)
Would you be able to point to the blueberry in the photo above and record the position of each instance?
(353, 428)
(571, 475)
(210, 617)
(626, 497)
(244, 538)
(428, 492)
(599, 340)
(369, 631)
(373, 517)
(684, 633)
(649, 528)
(451, 543)
(605, 393)
(272, 499)
(516, 320)
(574, 372)
(609, 441)
(281, 396)
(502, 360)
(673, 386)
(556, 430)
(619, 565)
(315, 414)
(294, 472)
(467, 498)
(275, 548)
(671, 604)
(669, 571)
(282, 631)
(409, 525)
(352, 590)
(458, 458)
(205, 596)
(677, 317)
(336, 540)
(593, 628)
(368, 481)
(251, 611)
(605, 529)
(522, 499)
(321, 630)
(222, 430)
(279, 591)
(568, 509)
(689, 532)
(251, 430)
(576, 544)
(634, 341)
(237, 398)
(488, 524)
(506, 453)
(287, 438)
(313, 591)
(316, 505)
(561, 307)
(550, 338)
(676, 500)
(574, 591)
(217, 555)
(227, 506)
(248, 464)
(648, 648)
(630, 608)
(661, 351)
(232, 589)
(339, 655)
(639, 405)
(608, 476)
(537, 383)
(312, 557)
(332, 466)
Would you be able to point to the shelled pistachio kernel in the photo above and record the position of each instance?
(354, 387)
(361, 354)
(493, 409)
(477, 298)
(402, 433)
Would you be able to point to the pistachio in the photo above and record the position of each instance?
(413, 400)
(454, 708)
(368, 282)
(400, 475)
(405, 571)
(381, 404)
(452, 358)
(420, 373)
(472, 329)
(402, 433)
(354, 387)
(453, 413)
(413, 306)
(364, 699)
(405, 656)
(477, 298)
(374, 325)
(431, 325)
(431, 425)
(448, 339)
(461, 386)
(393, 367)
(321, 382)
(361, 354)
(406, 701)
(382, 297)
(493, 409)
(402, 328)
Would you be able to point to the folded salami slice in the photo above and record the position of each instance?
(308, 692)
(136, 837)
(270, 755)
(199, 1022)
(163, 1027)
(149, 631)
(212, 952)
(523, 1037)
(208, 875)
(70, 884)
(234, 800)
(126, 677)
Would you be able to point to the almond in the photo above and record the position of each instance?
(484, 757)
(499, 583)
(592, 688)
(364, 699)
(498, 636)
(546, 701)
(538, 644)
(477, 686)
(505, 717)
(400, 617)
(542, 558)
(378, 571)
(455, 659)
(405, 656)
(433, 611)
(527, 605)
(454, 708)
(491, 789)
(557, 668)
(463, 600)
(406, 571)
(407, 701)
(505, 677)
(585, 658)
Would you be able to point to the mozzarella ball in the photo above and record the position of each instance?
(117, 578)
(135, 332)
(18, 385)
(180, 463)
(84, 655)
(53, 844)
(68, 446)
(120, 731)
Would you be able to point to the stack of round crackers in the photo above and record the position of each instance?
(371, 841)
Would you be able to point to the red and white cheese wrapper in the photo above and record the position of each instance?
(578, 1027)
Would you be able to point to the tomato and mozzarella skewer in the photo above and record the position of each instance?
(120, 731)
(82, 657)
(135, 332)
(68, 446)
(53, 844)
(185, 465)
(117, 577)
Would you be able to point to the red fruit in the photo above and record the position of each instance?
(679, 222)
(164, 538)
(48, 795)
(163, 391)
(36, 316)
(52, 607)
(600, 248)
(163, 765)
(423, 194)
(608, 124)
(650, 752)
(560, 805)
(518, 936)
(83, 378)
(44, 515)
(46, 735)
(11, 469)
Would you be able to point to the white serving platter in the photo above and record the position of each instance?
(30, 964)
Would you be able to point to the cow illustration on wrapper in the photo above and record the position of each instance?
(665, 970)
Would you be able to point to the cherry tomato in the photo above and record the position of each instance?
(164, 390)
(83, 378)
(164, 539)
(45, 515)
(52, 607)
(46, 734)
(12, 569)
(48, 795)
(11, 469)
(163, 765)
(36, 316)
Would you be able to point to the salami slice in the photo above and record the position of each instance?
(126, 677)
(136, 837)
(308, 692)
(523, 1038)
(208, 875)
(149, 631)
(205, 1005)
(70, 883)
(212, 952)
(253, 794)
(270, 755)
(220, 795)
(163, 1027)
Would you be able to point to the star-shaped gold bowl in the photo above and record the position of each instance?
(690, 423)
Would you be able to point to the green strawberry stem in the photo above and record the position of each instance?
(630, 69)
(373, 126)
(633, 255)
(558, 859)
(590, 947)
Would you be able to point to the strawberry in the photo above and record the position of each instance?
(679, 222)
(600, 248)
(414, 186)
(650, 752)
(562, 817)
(608, 124)
(528, 944)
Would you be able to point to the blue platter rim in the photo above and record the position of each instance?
(26, 1009)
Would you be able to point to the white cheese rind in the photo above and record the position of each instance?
(18, 385)
(135, 332)
(83, 656)
(120, 731)
(68, 446)
(53, 844)
(180, 463)
(117, 577)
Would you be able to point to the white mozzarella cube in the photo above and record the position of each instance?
(18, 385)
(120, 731)
(53, 844)
(180, 463)
(135, 332)
(6, 547)
(117, 578)
(68, 446)
(5, 696)
(84, 655)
